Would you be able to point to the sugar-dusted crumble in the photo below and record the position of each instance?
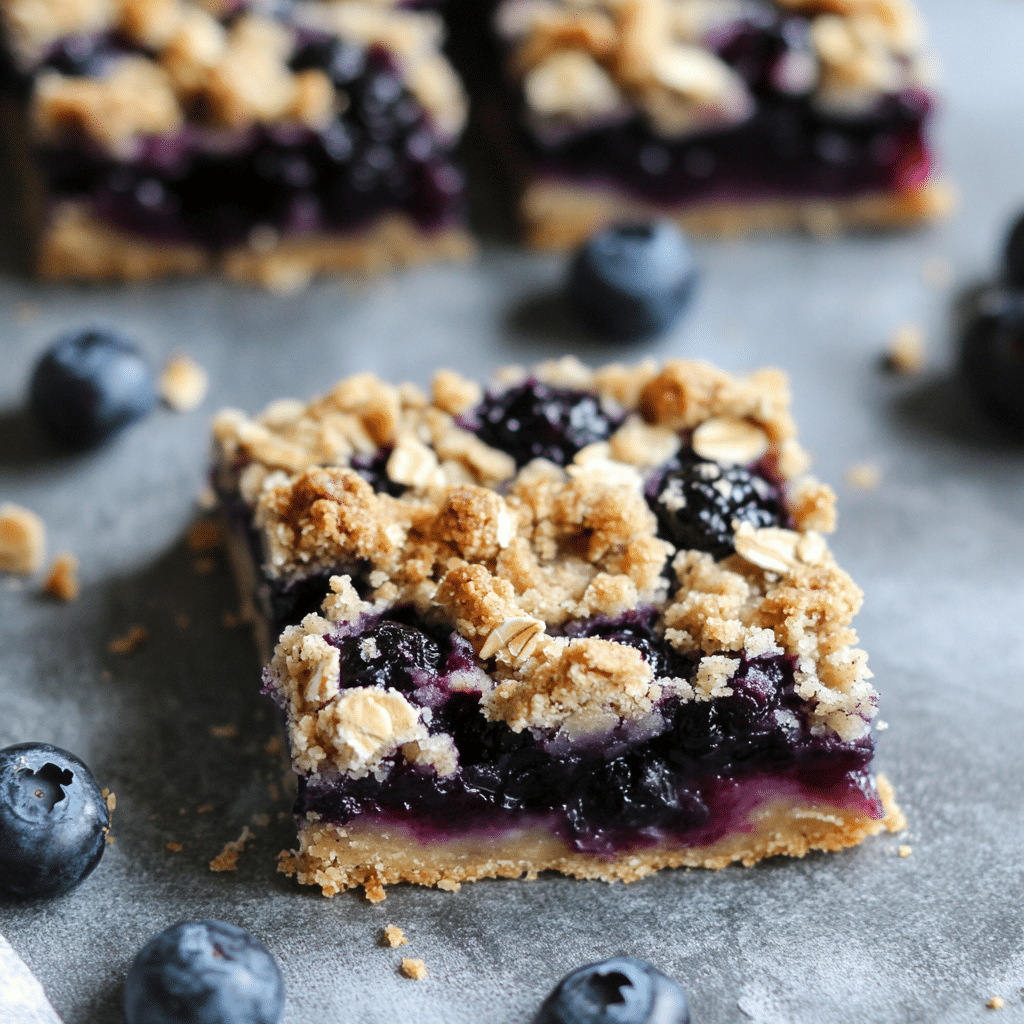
(183, 383)
(227, 859)
(995, 1003)
(394, 936)
(905, 850)
(414, 968)
(130, 641)
(62, 580)
(173, 847)
(22, 540)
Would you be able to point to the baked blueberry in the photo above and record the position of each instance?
(1013, 254)
(992, 356)
(203, 972)
(697, 503)
(53, 821)
(390, 655)
(621, 990)
(88, 385)
(630, 281)
(536, 420)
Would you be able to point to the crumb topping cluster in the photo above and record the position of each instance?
(507, 558)
(193, 67)
(588, 62)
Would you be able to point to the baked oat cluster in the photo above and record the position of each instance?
(509, 556)
(583, 63)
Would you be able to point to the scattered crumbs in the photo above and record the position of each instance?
(106, 674)
(995, 1003)
(183, 810)
(227, 859)
(183, 383)
(261, 820)
(111, 799)
(273, 745)
(175, 847)
(937, 271)
(224, 732)
(864, 475)
(230, 620)
(394, 936)
(62, 582)
(881, 726)
(206, 499)
(181, 620)
(135, 637)
(22, 540)
(281, 815)
(274, 792)
(203, 535)
(413, 968)
(104, 792)
(110, 838)
(906, 349)
(905, 850)
(203, 565)
(204, 809)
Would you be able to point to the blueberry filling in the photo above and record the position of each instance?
(373, 469)
(380, 154)
(697, 501)
(535, 420)
(691, 781)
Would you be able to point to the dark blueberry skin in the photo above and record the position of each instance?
(621, 990)
(535, 420)
(632, 281)
(694, 514)
(89, 385)
(1013, 255)
(203, 972)
(390, 655)
(53, 821)
(992, 357)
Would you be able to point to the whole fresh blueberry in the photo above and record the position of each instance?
(53, 821)
(617, 991)
(88, 385)
(631, 281)
(203, 972)
(992, 356)
(1013, 254)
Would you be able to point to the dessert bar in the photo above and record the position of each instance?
(268, 141)
(729, 115)
(584, 621)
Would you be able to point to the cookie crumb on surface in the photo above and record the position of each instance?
(413, 968)
(183, 383)
(394, 936)
(906, 349)
(905, 850)
(995, 1003)
(230, 620)
(62, 582)
(135, 637)
(224, 732)
(273, 745)
(864, 475)
(207, 499)
(203, 535)
(227, 859)
(22, 540)
(203, 565)
(261, 820)
(204, 809)
(175, 847)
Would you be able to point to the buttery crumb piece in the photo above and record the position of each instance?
(273, 745)
(261, 820)
(22, 540)
(207, 499)
(135, 637)
(995, 1003)
(111, 799)
(229, 619)
(204, 809)
(906, 349)
(224, 732)
(864, 475)
(413, 968)
(905, 850)
(394, 936)
(203, 565)
(175, 847)
(183, 383)
(227, 859)
(62, 582)
(203, 535)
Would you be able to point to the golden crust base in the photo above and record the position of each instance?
(558, 216)
(76, 246)
(364, 855)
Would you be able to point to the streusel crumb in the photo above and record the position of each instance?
(906, 353)
(62, 581)
(22, 540)
(394, 936)
(414, 968)
(130, 641)
(227, 859)
(183, 383)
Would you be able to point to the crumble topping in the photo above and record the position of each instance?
(507, 558)
(22, 540)
(413, 968)
(581, 64)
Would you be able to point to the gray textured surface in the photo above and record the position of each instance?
(938, 548)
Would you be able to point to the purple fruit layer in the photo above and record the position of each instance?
(692, 781)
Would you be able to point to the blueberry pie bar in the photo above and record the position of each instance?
(268, 140)
(729, 115)
(585, 621)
